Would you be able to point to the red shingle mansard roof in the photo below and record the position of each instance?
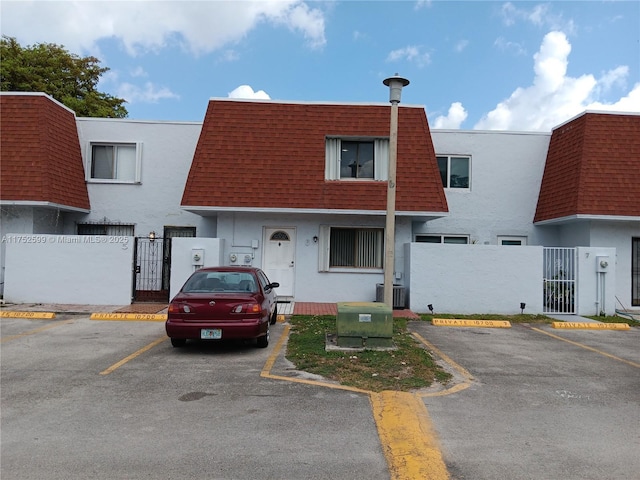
(272, 155)
(40, 159)
(592, 168)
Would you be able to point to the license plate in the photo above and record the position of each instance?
(211, 333)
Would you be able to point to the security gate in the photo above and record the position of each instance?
(559, 284)
(152, 264)
(148, 267)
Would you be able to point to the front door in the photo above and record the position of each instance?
(279, 258)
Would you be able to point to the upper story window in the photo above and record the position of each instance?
(455, 171)
(356, 158)
(114, 163)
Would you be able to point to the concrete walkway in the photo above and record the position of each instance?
(290, 308)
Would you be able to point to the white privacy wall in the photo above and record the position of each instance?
(182, 263)
(470, 279)
(68, 269)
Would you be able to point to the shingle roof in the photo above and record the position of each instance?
(40, 159)
(592, 168)
(272, 155)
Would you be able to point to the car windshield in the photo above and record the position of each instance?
(220, 282)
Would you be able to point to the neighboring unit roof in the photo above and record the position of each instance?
(592, 169)
(40, 159)
(271, 155)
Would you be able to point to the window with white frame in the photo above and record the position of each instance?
(454, 239)
(455, 171)
(114, 162)
(356, 158)
(351, 248)
(511, 240)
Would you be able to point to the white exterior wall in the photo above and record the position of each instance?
(167, 153)
(182, 263)
(588, 296)
(311, 285)
(468, 279)
(68, 269)
(618, 235)
(506, 172)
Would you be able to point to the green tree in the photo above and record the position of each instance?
(50, 68)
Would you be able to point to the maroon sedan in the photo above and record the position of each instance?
(221, 303)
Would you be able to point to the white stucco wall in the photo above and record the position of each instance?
(167, 152)
(182, 264)
(311, 285)
(469, 279)
(506, 171)
(618, 235)
(593, 296)
(68, 269)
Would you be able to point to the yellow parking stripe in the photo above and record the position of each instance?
(117, 365)
(586, 347)
(136, 317)
(37, 330)
(408, 439)
(12, 314)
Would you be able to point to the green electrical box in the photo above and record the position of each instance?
(364, 324)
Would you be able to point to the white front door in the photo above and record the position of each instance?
(279, 258)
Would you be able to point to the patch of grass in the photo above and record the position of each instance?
(409, 367)
(614, 319)
(519, 318)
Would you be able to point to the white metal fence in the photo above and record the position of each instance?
(559, 283)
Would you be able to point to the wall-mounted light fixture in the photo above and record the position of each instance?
(315, 239)
(152, 236)
(430, 307)
(522, 305)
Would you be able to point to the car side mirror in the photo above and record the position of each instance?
(273, 285)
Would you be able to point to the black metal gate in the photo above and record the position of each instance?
(148, 268)
(152, 264)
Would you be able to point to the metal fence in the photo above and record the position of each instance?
(148, 270)
(559, 284)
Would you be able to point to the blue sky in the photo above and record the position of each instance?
(472, 64)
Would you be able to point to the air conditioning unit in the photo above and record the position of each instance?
(399, 295)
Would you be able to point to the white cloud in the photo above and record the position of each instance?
(508, 46)
(138, 72)
(198, 26)
(245, 91)
(461, 45)
(422, 4)
(540, 15)
(454, 118)
(149, 93)
(410, 53)
(554, 97)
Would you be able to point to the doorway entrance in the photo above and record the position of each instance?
(279, 258)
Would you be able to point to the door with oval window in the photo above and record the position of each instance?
(279, 258)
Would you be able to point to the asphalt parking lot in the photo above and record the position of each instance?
(542, 403)
(113, 400)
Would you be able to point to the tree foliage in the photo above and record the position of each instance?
(67, 77)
